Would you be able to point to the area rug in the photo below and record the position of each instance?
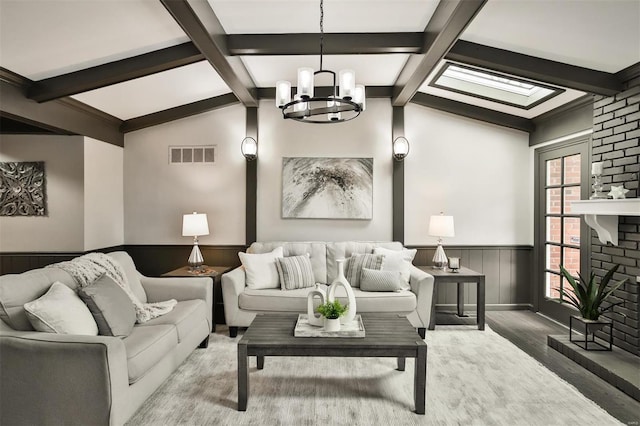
(473, 378)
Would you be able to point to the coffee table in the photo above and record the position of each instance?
(387, 335)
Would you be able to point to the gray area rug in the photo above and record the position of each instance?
(473, 377)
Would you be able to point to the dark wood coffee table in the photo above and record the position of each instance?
(387, 335)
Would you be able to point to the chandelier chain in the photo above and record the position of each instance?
(321, 31)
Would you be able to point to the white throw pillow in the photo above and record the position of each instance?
(398, 261)
(261, 269)
(60, 310)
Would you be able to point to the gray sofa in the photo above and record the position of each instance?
(241, 304)
(49, 378)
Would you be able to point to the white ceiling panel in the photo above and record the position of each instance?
(157, 92)
(597, 34)
(559, 100)
(372, 70)
(303, 16)
(41, 39)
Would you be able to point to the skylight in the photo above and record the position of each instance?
(492, 86)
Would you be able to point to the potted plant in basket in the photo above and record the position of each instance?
(332, 311)
(588, 297)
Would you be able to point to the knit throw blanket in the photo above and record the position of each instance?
(89, 267)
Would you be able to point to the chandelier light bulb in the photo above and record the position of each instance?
(347, 80)
(359, 97)
(305, 82)
(283, 93)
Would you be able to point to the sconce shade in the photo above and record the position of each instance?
(194, 225)
(441, 226)
(249, 148)
(400, 148)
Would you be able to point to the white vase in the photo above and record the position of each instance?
(314, 318)
(332, 324)
(341, 281)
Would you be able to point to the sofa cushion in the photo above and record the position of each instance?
(295, 272)
(261, 268)
(61, 311)
(316, 250)
(132, 274)
(359, 261)
(345, 249)
(145, 346)
(18, 289)
(186, 316)
(375, 280)
(275, 300)
(380, 301)
(110, 306)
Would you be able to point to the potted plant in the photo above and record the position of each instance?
(588, 297)
(332, 311)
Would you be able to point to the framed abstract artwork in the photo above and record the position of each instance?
(327, 188)
(22, 189)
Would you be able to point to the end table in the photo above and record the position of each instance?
(464, 275)
(215, 273)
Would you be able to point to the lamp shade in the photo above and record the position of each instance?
(305, 82)
(194, 225)
(441, 226)
(347, 79)
(283, 93)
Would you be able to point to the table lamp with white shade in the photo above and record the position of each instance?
(195, 225)
(441, 226)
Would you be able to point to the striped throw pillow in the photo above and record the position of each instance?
(359, 261)
(295, 272)
(373, 280)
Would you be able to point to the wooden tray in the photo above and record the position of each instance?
(303, 329)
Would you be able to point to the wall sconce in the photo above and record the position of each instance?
(400, 148)
(249, 148)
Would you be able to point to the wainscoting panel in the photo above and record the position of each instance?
(507, 270)
(16, 263)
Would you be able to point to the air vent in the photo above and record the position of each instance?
(200, 154)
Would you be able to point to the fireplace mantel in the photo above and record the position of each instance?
(602, 215)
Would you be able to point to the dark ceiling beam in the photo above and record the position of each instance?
(334, 43)
(64, 116)
(543, 70)
(114, 72)
(371, 92)
(475, 112)
(178, 112)
(449, 20)
(201, 24)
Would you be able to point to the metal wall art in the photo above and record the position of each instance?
(22, 189)
(327, 188)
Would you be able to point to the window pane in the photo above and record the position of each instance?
(554, 172)
(552, 258)
(553, 229)
(552, 283)
(571, 193)
(554, 201)
(571, 231)
(571, 261)
(572, 169)
(567, 288)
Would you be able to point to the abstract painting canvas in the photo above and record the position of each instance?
(22, 189)
(327, 188)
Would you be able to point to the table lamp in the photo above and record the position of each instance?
(440, 226)
(194, 225)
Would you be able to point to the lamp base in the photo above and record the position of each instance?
(195, 258)
(440, 258)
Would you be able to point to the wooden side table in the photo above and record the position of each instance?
(464, 275)
(215, 273)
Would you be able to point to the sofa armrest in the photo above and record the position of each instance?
(187, 288)
(233, 284)
(422, 285)
(60, 379)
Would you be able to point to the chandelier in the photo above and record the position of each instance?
(307, 108)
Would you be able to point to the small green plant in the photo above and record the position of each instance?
(587, 296)
(332, 310)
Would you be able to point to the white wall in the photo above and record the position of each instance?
(157, 194)
(367, 136)
(63, 227)
(477, 172)
(103, 195)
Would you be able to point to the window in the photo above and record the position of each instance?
(492, 86)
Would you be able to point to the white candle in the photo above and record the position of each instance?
(454, 262)
(596, 168)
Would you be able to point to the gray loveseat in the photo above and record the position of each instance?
(241, 304)
(49, 378)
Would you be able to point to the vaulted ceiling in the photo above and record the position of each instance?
(145, 62)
